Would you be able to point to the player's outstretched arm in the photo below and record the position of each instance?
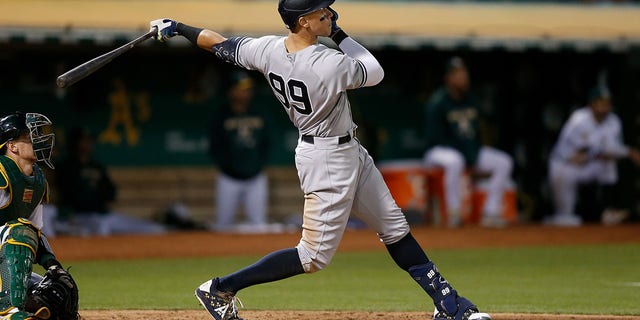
(207, 39)
(353, 49)
(203, 38)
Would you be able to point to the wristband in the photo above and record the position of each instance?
(338, 36)
(189, 32)
(50, 263)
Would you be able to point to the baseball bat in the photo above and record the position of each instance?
(80, 72)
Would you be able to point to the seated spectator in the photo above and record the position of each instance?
(452, 134)
(587, 151)
(86, 192)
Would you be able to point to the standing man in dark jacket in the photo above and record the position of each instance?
(240, 147)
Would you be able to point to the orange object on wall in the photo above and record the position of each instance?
(407, 184)
(423, 190)
(437, 210)
(509, 209)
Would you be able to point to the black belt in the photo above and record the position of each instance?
(341, 140)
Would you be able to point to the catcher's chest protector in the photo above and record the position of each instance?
(26, 191)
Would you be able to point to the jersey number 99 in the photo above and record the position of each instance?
(293, 93)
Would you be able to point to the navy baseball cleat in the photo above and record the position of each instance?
(465, 310)
(221, 305)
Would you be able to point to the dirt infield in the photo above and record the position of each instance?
(321, 315)
(194, 244)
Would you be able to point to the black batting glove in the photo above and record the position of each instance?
(334, 19)
(337, 35)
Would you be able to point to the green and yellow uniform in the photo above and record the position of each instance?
(454, 123)
(20, 238)
(26, 192)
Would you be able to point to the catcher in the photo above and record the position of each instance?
(24, 140)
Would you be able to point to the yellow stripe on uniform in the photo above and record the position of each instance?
(16, 243)
(6, 311)
(27, 222)
(5, 178)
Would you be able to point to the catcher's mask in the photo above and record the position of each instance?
(40, 132)
(291, 10)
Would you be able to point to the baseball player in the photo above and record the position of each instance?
(23, 189)
(452, 125)
(336, 173)
(239, 143)
(589, 145)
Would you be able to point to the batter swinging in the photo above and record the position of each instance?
(336, 173)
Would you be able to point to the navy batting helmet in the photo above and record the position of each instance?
(291, 10)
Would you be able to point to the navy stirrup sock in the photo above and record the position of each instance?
(436, 286)
(409, 256)
(407, 253)
(272, 267)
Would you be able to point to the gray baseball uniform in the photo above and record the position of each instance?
(336, 173)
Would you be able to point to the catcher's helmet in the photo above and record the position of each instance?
(291, 10)
(36, 125)
(12, 126)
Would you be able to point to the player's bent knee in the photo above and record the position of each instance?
(394, 235)
(313, 263)
(21, 234)
(18, 251)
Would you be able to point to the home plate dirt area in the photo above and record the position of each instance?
(194, 244)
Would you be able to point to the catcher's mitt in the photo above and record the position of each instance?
(58, 292)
